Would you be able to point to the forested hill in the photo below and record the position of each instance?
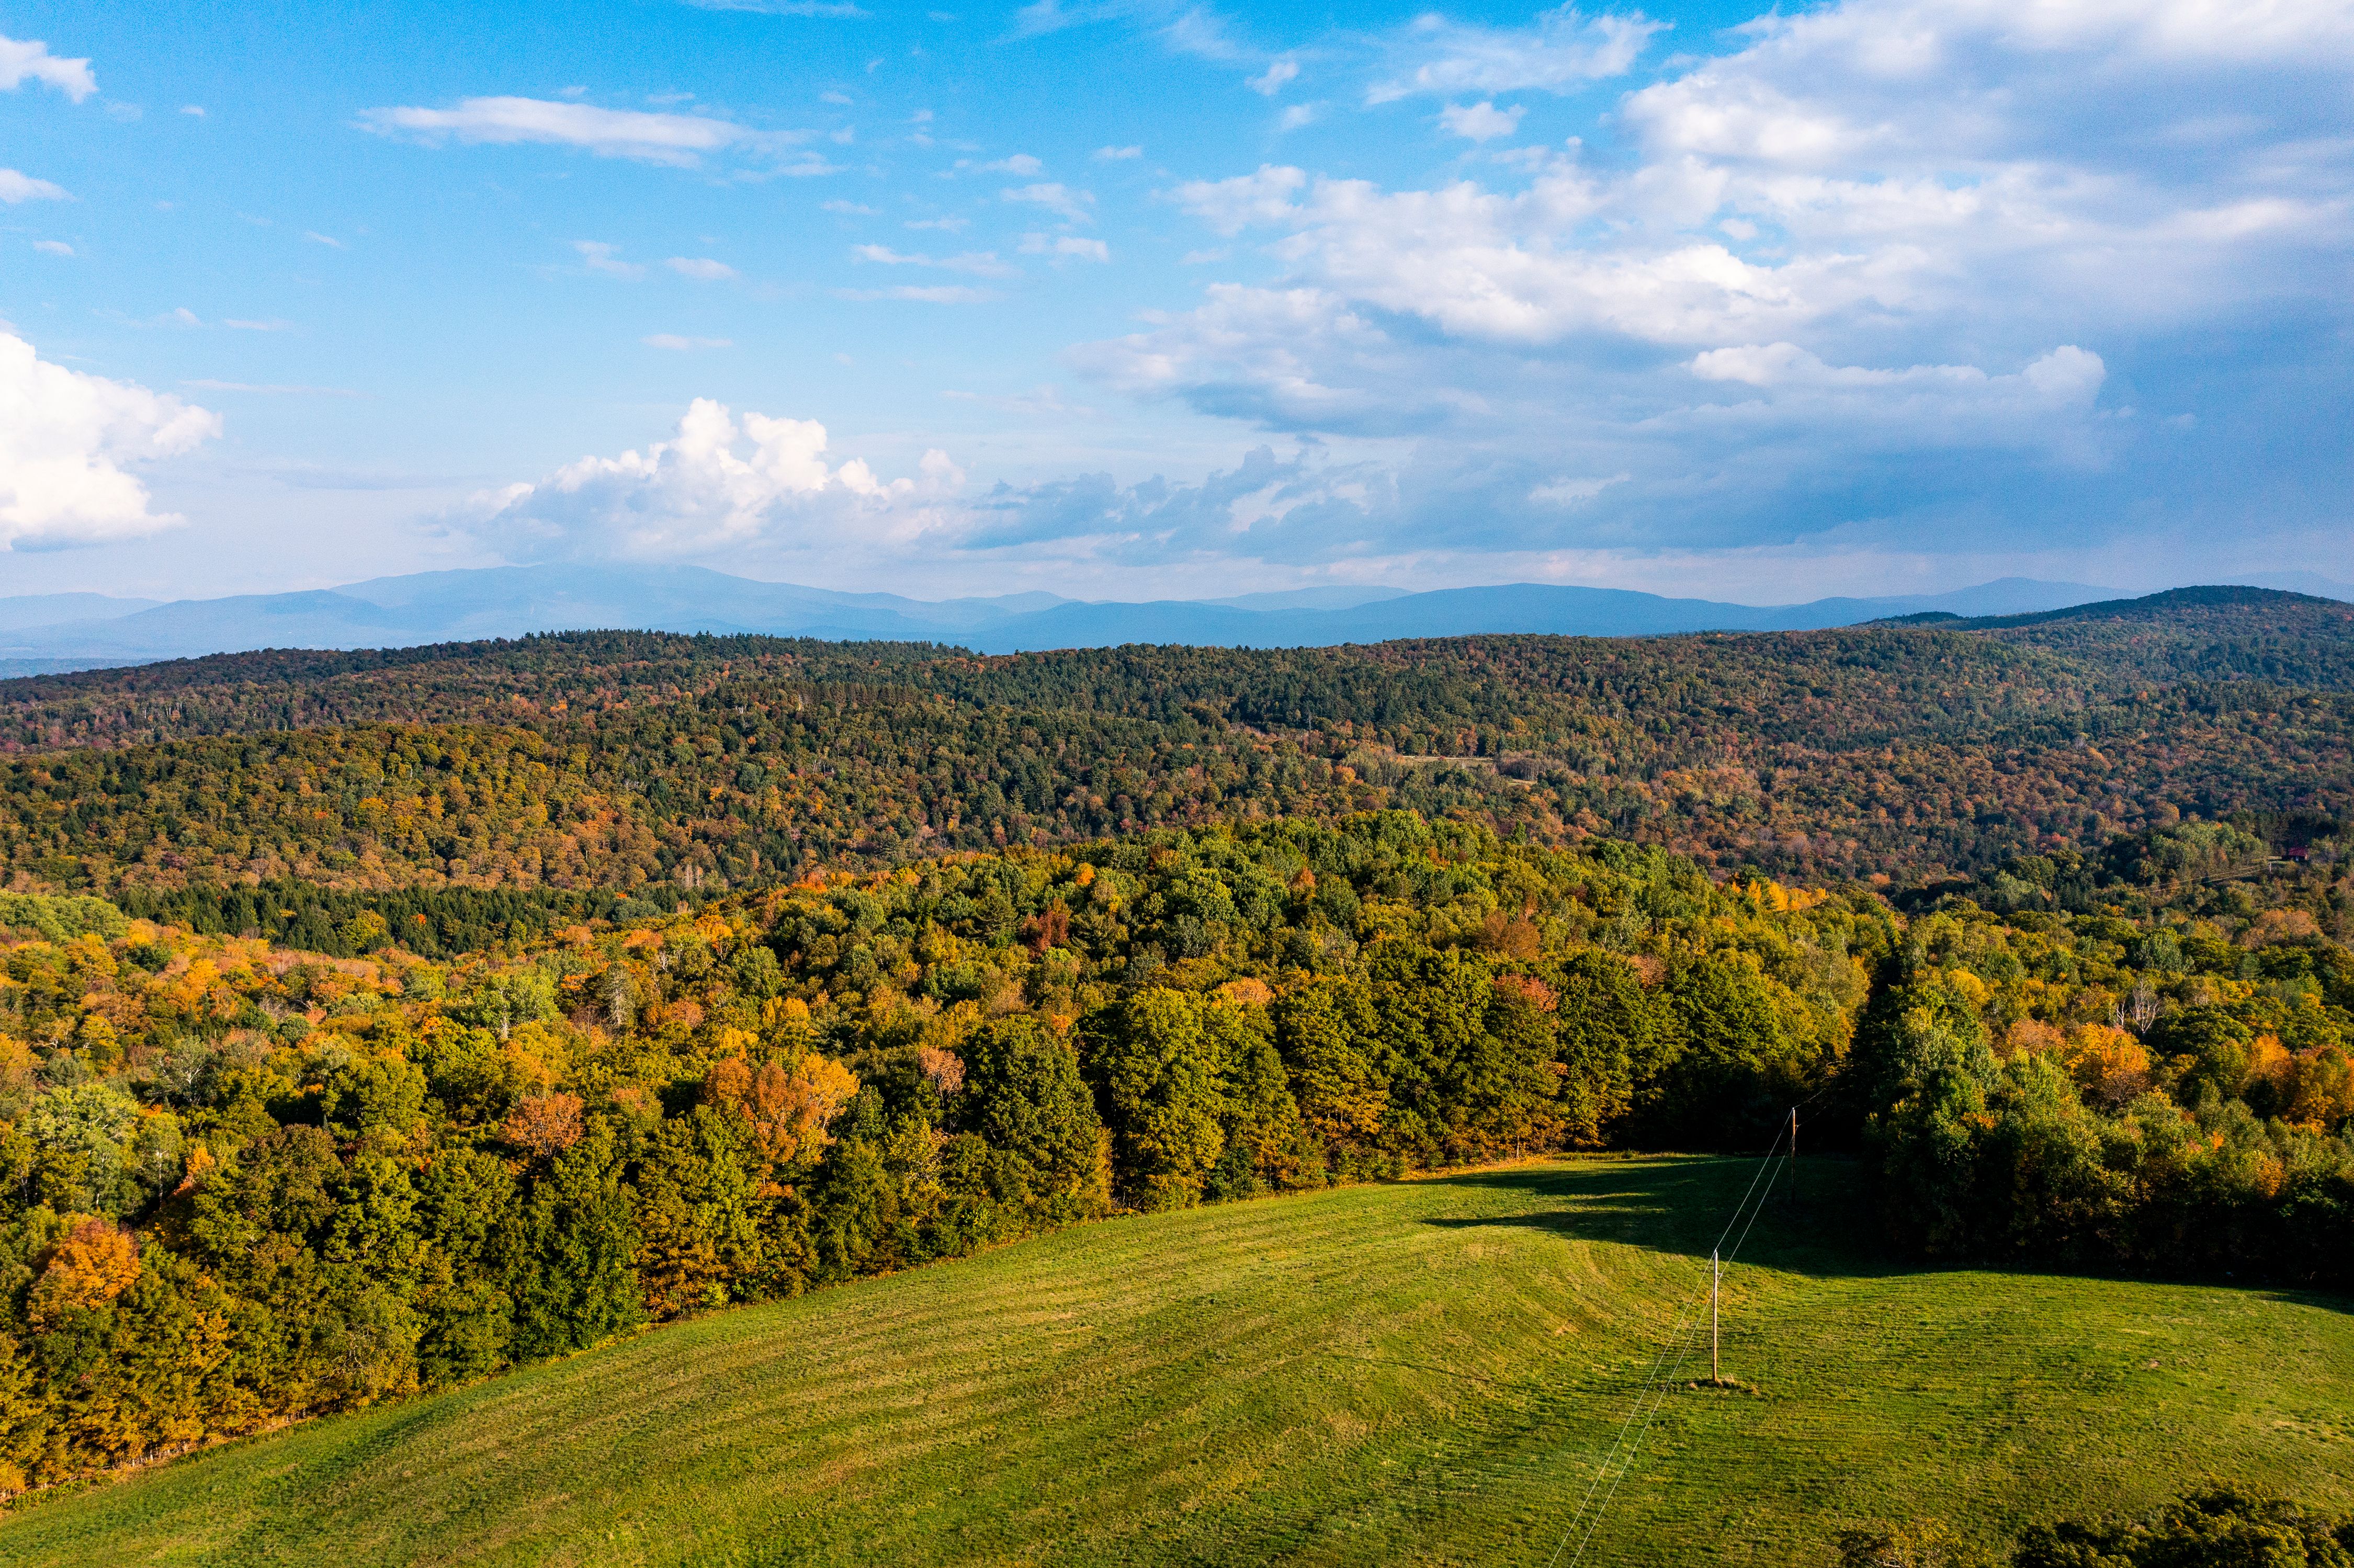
(612, 761)
(351, 1179)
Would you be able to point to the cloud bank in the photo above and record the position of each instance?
(67, 443)
(681, 141)
(719, 485)
(1869, 276)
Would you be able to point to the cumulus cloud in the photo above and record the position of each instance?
(677, 344)
(1117, 154)
(31, 61)
(1271, 80)
(679, 140)
(53, 248)
(702, 268)
(1065, 247)
(603, 257)
(1563, 51)
(1287, 358)
(1060, 200)
(1866, 170)
(1231, 205)
(719, 483)
(67, 443)
(979, 263)
(2065, 373)
(1480, 122)
(1818, 296)
(2047, 407)
(15, 187)
(1270, 506)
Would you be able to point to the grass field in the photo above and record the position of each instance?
(1424, 1372)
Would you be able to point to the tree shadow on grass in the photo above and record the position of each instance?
(1827, 1227)
(1689, 1205)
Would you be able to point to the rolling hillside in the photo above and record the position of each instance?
(1419, 1372)
(614, 760)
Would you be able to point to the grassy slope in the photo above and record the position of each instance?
(1423, 1373)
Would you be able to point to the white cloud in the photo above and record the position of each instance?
(236, 324)
(1117, 154)
(979, 263)
(1270, 81)
(1021, 163)
(1253, 354)
(849, 208)
(21, 62)
(67, 441)
(681, 140)
(1565, 50)
(15, 187)
(1480, 122)
(1065, 247)
(944, 225)
(1298, 115)
(194, 110)
(53, 247)
(602, 257)
(702, 268)
(1816, 288)
(2038, 405)
(330, 241)
(1230, 206)
(717, 484)
(1056, 198)
(678, 344)
(921, 293)
(831, 96)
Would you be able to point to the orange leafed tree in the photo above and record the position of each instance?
(94, 1263)
(788, 1107)
(544, 1126)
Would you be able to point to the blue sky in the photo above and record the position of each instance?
(1146, 299)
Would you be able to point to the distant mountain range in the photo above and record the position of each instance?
(43, 633)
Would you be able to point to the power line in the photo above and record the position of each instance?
(1653, 1394)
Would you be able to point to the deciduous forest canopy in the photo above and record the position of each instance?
(615, 761)
(371, 1023)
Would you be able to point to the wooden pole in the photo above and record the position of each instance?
(1715, 1274)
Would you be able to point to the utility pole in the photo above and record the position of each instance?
(1794, 1154)
(1715, 1276)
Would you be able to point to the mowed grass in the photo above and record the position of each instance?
(1424, 1373)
